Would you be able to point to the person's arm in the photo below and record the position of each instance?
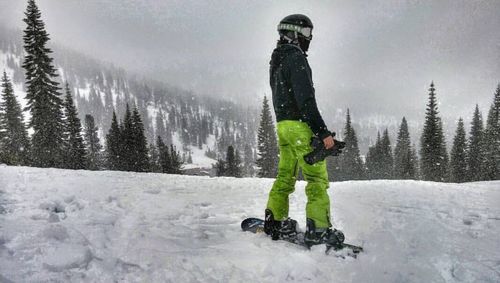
(303, 90)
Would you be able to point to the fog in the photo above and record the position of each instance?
(376, 57)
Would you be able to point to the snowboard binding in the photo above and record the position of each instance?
(332, 238)
(319, 152)
(280, 230)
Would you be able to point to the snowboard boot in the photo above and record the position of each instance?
(280, 230)
(315, 236)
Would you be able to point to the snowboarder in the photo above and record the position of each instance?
(298, 119)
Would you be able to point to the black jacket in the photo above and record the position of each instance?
(293, 90)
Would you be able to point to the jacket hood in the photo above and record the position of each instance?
(281, 51)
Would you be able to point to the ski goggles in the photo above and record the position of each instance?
(305, 31)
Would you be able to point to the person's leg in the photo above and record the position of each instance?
(316, 175)
(284, 184)
(318, 201)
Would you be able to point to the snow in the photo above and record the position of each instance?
(200, 160)
(82, 226)
(84, 92)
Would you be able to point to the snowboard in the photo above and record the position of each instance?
(256, 225)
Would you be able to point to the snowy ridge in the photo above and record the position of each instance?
(82, 226)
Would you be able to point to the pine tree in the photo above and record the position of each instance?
(433, 153)
(139, 150)
(475, 154)
(443, 153)
(92, 144)
(404, 154)
(374, 160)
(386, 156)
(267, 144)
(458, 164)
(175, 161)
(114, 145)
(42, 93)
(164, 159)
(415, 161)
(74, 149)
(350, 165)
(14, 141)
(220, 168)
(491, 142)
(127, 141)
(233, 162)
(379, 160)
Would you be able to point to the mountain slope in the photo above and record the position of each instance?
(195, 124)
(63, 225)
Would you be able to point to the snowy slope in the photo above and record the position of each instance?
(80, 226)
(99, 89)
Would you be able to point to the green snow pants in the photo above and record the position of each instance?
(294, 139)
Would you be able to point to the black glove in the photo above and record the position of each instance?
(319, 152)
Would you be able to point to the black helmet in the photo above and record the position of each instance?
(296, 29)
(296, 23)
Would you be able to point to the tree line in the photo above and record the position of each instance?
(475, 158)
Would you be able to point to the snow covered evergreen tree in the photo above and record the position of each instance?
(93, 145)
(127, 141)
(164, 159)
(134, 152)
(74, 149)
(404, 156)
(114, 147)
(42, 93)
(220, 167)
(379, 160)
(14, 141)
(373, 160)
(154, 159)
(267, 144)
(387, 160)
(491, 141)
(175, 161)
(169, 158)
(233, 162)
(139, 159)
(434, 157)
(458, 163)
(416, 163)
(475, 154)
(350, 166)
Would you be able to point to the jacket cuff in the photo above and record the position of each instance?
(323, 134)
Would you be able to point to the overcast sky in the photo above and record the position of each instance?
(371, 56)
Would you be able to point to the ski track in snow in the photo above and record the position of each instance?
(81, 226)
